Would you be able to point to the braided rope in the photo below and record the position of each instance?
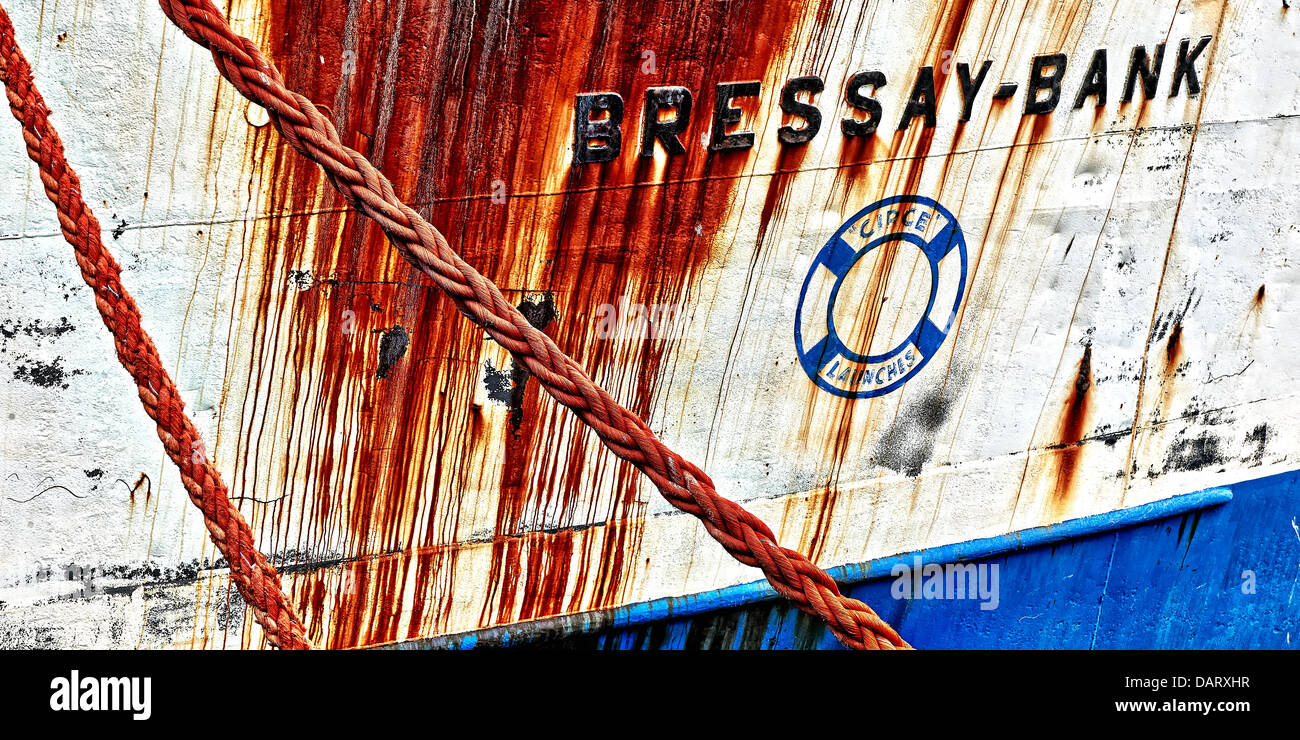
(685, 486)
(255, 578)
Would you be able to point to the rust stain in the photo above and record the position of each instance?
(1173, 367)
(816, 522)
(1254, 315)
(1174, 347)
(775, 199)
(382, 449)
(1073, 426)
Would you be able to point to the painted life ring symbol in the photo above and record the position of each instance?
(827, 359)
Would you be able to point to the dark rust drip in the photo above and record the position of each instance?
(1072, 431)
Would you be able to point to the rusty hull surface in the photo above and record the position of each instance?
(1127, 332)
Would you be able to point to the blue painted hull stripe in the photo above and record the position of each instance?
(674, 607)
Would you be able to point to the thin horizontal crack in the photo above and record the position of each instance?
(227, 220)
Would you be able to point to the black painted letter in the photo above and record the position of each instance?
(725, 114)
(606, 129)
(970, 89)
(921, 101)
(853, 94)
(1094, 82)
(1039, 82)
(1138, 65)
(792, 106)
(656, 100)
(1186, 66)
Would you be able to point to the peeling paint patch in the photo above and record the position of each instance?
(506, 386)
(392, 347)
(300, 279)
(498, 383)
(539, 309)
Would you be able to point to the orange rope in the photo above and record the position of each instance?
(685, 486)
(255, 578)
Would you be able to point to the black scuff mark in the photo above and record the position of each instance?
(1197, 410)
(1110, 437)
(392, 347)
(1191, 534)
(1194, 453)
(1258, 437)
(44, 374)
(1127, 259)
(909, 442)
(33, 329)
(507, 386)
(1173, 317)
(119, 229)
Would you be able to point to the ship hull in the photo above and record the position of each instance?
(906, 279)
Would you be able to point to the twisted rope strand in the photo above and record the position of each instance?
(685, 486)
(256, 579)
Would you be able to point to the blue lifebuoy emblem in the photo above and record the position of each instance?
(844, 365)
